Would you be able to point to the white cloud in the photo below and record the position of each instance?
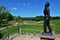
(14, 8)
(27, 5)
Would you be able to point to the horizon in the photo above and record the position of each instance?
(39, 15)
(31, 8)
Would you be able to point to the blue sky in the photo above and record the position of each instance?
(31, 8)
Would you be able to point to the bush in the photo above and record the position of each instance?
(1, 35)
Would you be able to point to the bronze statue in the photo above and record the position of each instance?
(47, 18)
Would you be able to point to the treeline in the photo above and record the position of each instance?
(39, 18)
(55, 17)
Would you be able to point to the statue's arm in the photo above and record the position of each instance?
(45, 11)
(49, 14)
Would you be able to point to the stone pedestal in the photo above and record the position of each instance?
(47, 36)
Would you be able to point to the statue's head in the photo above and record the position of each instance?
(47, 4)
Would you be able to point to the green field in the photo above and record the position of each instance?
(55, 24)
(36, 28)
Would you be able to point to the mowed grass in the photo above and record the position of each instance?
(55, 25)
(31, 28)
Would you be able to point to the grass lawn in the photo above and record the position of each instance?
(55, 24)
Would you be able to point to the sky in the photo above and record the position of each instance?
(31, 8)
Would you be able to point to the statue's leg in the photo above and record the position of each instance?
(48, 24)
(45, 29)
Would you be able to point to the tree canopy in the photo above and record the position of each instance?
(5, 14)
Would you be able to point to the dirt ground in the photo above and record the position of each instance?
(31, 37)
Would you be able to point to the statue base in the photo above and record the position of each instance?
(47, 36)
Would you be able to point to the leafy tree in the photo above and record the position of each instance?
(8, 16)
(5, 14)
(55, 17)
(1, 35)
(17, 17)
(2, 10)
(38, 18)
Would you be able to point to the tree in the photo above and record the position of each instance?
(17, 17)
(55, 17)
(5, 14)
(1, 35)
(8, 16)
(39, 18)
(2, 10)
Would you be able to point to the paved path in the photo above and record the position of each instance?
(30, 37)
(26, 37)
